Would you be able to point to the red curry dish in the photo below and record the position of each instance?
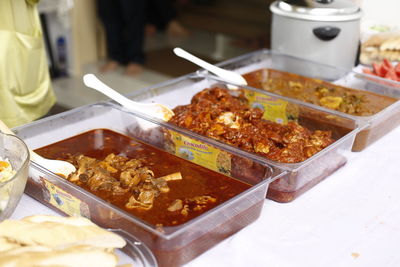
(216, 113)
(149, 183)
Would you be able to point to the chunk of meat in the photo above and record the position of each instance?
(161, 184)
(83, 163)
(176, 205)
(93, 173)
(145, 198)
(100, 180)
(133, 203)
(188, 205)
(120, 175)
(131, 177)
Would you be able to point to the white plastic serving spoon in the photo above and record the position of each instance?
(227, 75)
(154, 109)
(57, 166)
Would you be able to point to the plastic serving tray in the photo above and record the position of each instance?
(377, 125)
(299, 177)
(172, 246)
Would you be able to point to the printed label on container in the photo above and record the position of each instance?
(64, 201)
(200, 153)
(274, 108)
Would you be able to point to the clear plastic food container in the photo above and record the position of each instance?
(376, 82)
(383, 95)
(299, 177)
(172, 245)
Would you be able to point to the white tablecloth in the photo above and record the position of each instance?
(350, 219)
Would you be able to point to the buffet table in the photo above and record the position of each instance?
(350, 219)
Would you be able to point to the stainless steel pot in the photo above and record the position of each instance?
(326, 31)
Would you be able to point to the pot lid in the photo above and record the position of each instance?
(322, 10)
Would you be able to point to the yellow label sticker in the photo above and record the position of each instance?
(65, 201)
(274, 108)
(200, 153)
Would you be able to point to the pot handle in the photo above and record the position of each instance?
(326, 33)
(324, 1)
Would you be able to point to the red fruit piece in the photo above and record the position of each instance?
(397, 69)
(368, 71)
(387, 64)
(391, 74)
(377, 68)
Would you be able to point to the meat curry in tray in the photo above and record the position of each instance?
(151, 184)
(318, 92)
(217, 113)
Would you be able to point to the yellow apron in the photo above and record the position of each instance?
(25, 86)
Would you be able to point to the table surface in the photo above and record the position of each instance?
(350, 219)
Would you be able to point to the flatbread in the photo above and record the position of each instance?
(53, 241)
(381, 46)
(74, 256)
(52, 231)
(5, 244)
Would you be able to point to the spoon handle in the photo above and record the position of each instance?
(226, 74)
(93, 82)
(205, 65)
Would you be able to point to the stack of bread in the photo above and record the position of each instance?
(381, 46)
(43, 240)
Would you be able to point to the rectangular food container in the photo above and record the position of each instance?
(385, 93)
(299, 177)
(172, 246)
(377, 82)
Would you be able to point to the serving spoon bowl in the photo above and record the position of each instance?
(59, 167)
(227, 75)
(153, 109)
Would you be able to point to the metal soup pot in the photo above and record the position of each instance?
(326, 31)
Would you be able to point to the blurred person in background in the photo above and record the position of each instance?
(124, 22)
(161, 15)
(26, 93)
